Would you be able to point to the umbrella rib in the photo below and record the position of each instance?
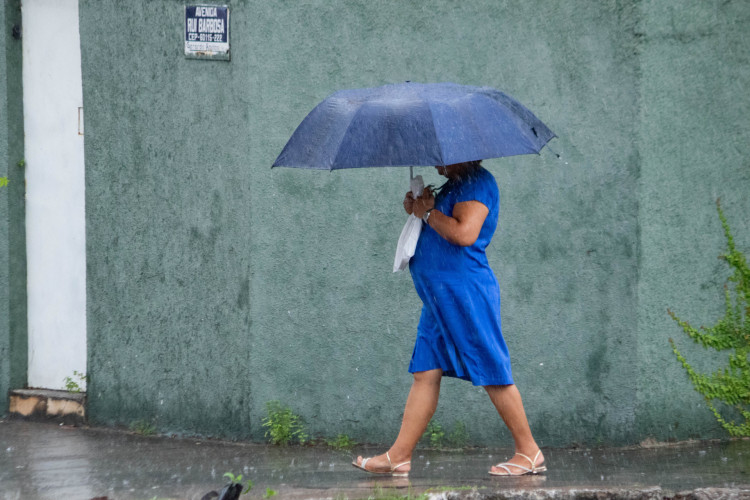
(341, 139)
(434, 130)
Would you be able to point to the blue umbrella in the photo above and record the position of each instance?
(410, 124)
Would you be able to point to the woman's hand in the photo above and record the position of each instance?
(423, 203)
(409, 202)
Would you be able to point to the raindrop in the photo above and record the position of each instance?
(723, 459)
(541, 364)
(9, 449)
(702, 453)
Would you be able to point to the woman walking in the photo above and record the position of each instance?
(459, 332)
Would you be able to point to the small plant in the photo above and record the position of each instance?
(73, 384)
(282, 425)
(238, 479)
(3, 181)
(341, 442)
(143, 428)
(730, 385)
(459, 436)
(270, 493)
(435, 434)
(21, 163)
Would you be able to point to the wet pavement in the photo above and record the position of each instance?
(47, 461)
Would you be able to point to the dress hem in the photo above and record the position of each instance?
(475, 383)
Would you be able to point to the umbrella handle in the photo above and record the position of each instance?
(411, 173)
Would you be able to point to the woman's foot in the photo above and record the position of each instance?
(520, 464)
(384, 464)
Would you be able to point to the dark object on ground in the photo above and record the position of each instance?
(231, 491)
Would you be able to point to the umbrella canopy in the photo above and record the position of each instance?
(410, 124)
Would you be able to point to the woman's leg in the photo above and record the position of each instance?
(507, 400)
(420, 406)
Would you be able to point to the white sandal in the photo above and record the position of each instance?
(391, 472)
(524, 470)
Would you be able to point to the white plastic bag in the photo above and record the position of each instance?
(407, 242)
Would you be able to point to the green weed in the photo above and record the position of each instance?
(459, 436)
(270, 493)
(73, 384)
(435, 434)
(282, 425)
(238, 479)
(143, 428)
(341, 442)
(729, 385)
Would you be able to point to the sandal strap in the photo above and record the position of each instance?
(505, 466)
(532, 462)
(391, 465)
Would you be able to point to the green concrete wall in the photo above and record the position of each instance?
(216, 284)
(12, 241)
(694, 148)
(4, 253)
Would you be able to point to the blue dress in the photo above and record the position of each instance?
(459, 329)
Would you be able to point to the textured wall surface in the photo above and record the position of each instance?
(12, 242)
(216, 284)
(694, 149)
(4, 254)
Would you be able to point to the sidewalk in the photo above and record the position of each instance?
(46, 461)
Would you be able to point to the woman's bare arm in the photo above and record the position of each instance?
(462, 227)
